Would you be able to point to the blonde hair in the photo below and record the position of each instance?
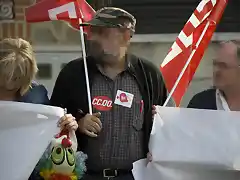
(17, 65)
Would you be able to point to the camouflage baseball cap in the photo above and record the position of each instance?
(112, 17)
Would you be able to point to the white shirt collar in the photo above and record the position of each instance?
(221, 101)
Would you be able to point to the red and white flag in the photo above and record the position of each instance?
(65, 10)
(86, 12)
(190, 46)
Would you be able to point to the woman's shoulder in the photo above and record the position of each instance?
(36, 94)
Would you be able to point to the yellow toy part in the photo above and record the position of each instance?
(63, 149)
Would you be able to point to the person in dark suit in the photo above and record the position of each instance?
(225, 95)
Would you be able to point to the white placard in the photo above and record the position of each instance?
(193, 144)
(25, 132)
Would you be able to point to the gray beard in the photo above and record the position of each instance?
(95, 50)
(105, 59)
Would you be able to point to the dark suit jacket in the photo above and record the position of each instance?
(204, 100)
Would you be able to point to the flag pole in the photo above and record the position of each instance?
(85, 67)
(186, 65)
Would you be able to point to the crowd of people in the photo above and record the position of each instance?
(124, 90)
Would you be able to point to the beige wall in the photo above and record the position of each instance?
(156, 53)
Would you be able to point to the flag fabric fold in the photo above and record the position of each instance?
(191, 43)
(86, 14)
(65, 10)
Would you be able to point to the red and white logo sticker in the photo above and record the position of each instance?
(102, 103)
(124, 99)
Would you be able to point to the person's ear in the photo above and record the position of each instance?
(127, 35)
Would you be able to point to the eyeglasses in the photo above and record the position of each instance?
(223, 65)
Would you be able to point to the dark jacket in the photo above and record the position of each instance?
(70, 90)
(37, 94)
(204, 100)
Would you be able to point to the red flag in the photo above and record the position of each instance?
(190, 46)
(87, 13)
(65, 10)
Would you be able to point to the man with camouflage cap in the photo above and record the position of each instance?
(111, 17)
(123, 88)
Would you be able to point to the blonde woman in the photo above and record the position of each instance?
(17, 70)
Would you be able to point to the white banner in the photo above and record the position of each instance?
(192, 144)
(25, 132)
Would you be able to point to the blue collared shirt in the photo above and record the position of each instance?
(37, 94)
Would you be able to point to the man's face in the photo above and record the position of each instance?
(226, 71)
(105, 43)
